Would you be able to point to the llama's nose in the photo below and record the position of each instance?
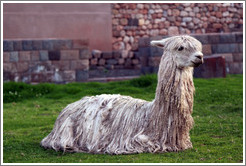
(199, 56)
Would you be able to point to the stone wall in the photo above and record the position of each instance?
(131, 21)
(62, 61)
(51, 60)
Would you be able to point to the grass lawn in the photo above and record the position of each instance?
(29, 113)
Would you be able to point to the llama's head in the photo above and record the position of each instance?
(185, 51)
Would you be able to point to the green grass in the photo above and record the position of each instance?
(29, 113)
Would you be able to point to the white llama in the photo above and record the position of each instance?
(116, 124)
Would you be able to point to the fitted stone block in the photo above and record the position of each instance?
(80, 64)
(22, 66)
(214, 38)
(84, 53)
(54, 55)
(238, 57)
(17, 45)
(206, 49)
(35, 56)
(8, 45)
(14, 56)
(202, 38)
(9, 67)
(24, 56)
(69, 54)
(225, 48)
(27, 45)
(6, 56)
(236, 68)
(48, 45)
(61, 65)
(69, 75)
(239, 37)
(214, 66)
(82, 75)
(154, 61)
(227, 38)
(43, 55)
(37, 45)
(62, 44)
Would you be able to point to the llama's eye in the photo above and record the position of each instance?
(180, 48)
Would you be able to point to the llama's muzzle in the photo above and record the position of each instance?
(198, 60)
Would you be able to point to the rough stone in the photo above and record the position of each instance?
(123, 21)
(101, 62)
(116, 54)
(173, 30)
(107, 55)
(111, 61)
(187, 19)
(183, 13)
(121, 61)
(124, 54)
(135, 61)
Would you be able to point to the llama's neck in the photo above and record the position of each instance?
(173, 104)
(174, 84)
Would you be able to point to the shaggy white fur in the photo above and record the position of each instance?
(116, 124)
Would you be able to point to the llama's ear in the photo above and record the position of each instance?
(158, 43)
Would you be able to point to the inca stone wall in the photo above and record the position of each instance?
(51, 60)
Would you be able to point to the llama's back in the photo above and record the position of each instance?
(99, 124)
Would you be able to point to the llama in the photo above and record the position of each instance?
(116, 124)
